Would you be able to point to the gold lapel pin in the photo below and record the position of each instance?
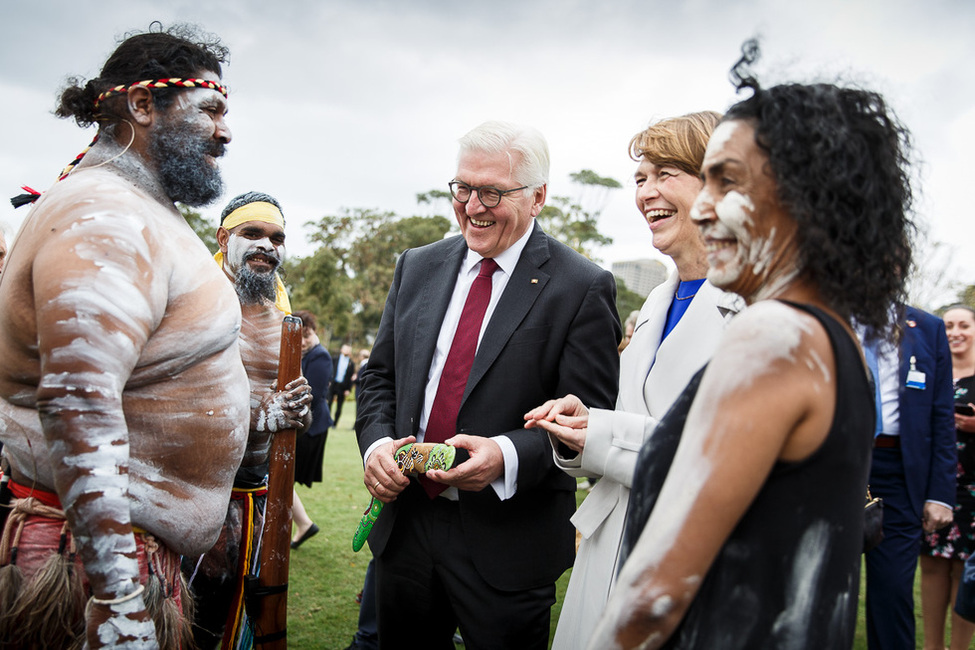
(534, 280)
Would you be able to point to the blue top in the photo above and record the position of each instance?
(680, 303)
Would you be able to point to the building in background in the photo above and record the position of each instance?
(640, 276)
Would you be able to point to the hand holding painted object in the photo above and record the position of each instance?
(412, 460)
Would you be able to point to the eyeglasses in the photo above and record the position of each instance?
(488, 195)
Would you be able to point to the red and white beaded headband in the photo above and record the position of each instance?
(162, 83)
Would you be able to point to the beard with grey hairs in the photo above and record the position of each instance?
(184, 171)
(254, 288)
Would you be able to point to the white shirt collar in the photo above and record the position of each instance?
(507, 260)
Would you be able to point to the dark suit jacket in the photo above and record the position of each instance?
(346, 383)
(927, 421)
(316, 367)
(554, 331)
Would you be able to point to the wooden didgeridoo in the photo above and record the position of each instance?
(275, 556)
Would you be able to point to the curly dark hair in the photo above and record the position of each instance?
(180, 51)
(841, 164)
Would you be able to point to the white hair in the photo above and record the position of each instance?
(505, 137)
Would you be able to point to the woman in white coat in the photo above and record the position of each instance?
(675, 335)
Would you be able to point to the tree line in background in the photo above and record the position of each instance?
(344, 282)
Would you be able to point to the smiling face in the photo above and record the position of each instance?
(664, 196)
(960, 328)
(491, 231)
(252, 252)
(258, 244)
(750, 239)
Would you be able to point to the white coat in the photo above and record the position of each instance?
(652, 377)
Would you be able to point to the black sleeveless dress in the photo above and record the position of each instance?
(789, 574)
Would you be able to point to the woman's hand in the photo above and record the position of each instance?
(566, 418)
(965, 423)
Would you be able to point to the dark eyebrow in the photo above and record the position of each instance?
(719, 166)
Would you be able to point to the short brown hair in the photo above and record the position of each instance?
(677, 141)
(307, 319)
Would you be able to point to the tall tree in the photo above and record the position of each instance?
(575, 222)
(349, 275)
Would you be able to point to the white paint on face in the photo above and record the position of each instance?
(749, 237)
(722, 134)
(239, 248)
(729, 240)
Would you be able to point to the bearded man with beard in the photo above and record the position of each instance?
(124, 405)
(251, 239)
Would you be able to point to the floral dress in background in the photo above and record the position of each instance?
(957, 541)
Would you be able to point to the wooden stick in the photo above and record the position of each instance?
(275, 556)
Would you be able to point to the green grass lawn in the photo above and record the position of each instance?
(325, 573)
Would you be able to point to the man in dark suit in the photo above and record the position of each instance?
(913, 471)
(485, 553)
(342, 372)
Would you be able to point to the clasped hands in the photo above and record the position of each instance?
(566, 418)
(383, 479)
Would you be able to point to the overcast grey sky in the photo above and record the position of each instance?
(359, 103)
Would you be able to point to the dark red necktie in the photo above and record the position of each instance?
(442, 423)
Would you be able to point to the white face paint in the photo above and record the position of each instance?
(730, 245)
(747, 234)
(239, 247)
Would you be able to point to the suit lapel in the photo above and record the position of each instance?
(525, 285)
(640, 354)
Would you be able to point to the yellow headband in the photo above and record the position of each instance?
(256, 211)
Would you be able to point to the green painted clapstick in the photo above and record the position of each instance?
(412, 459)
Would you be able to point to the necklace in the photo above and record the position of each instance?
(676, 297)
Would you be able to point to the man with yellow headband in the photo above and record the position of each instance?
(124, 405)
(251, 239)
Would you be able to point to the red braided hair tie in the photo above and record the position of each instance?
(162, 83)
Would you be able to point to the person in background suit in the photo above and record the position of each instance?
(343, 370)
(485, 552)
(913, 470)
(675, 334)
(316, 367)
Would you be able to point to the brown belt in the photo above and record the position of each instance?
(887, 442)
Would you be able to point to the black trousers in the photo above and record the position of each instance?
(339, 399)
(427, 586)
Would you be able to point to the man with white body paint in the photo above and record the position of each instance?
(124, 403)
(251, 239)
